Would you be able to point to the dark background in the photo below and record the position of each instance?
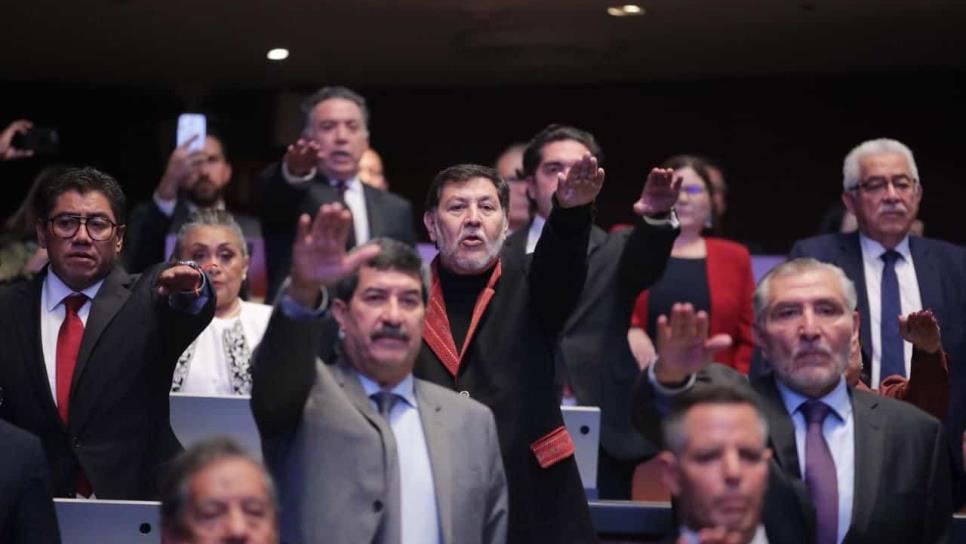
(781, 138)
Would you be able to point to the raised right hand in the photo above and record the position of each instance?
(319, 257)
(301, 157)
(7, 151)
(683, 346)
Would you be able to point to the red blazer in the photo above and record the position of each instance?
(730, 286)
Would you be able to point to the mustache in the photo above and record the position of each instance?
(393, 332)
(888, 207)
(812, 350)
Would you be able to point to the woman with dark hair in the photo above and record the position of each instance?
(712, 274)
(20, 255)
(218, 362)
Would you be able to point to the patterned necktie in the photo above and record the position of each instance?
(820, 475)
(892, 360)
(68, 345)
(239, 357)
(385, 400)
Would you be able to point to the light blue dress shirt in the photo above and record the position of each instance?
(839, 432)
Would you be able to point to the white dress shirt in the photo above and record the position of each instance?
(691, 537)
(839, 432)
(418, 510)
(354, 197)
(52, 313)
(533, 235)
(909, 297)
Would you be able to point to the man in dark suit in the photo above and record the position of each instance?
(406, 461)
(895, 273)
(492, 325)
(322, 167)
(594, 361)
(875, 468)
(89, 350)
(191, 181)
(26, 508)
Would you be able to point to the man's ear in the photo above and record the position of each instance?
(848, 198)
(531, 187)
(119, 243)
(42, 234)
(856, 323)
(668, 464)
(758, 336)
(429, 221)
(339, 310)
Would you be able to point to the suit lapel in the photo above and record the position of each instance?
(31, 346)
(108, 301)
(927, 274)
(781, 426)
(850, 260)
(373, 201)
(869, 445)
(440, 457)
(346, 377)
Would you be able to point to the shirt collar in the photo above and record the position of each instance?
(55, 290)
(837, 399)
(404, 388)
(192, 207)
(691, 536)
(351, 184)
(872, 250)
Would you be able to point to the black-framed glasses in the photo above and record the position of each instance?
(875, 185)
(66, 225)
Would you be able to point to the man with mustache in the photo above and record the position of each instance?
(362, 451)
(896, 273)
(876, 469)
(493, 321)
(323, 166)
(191, 181)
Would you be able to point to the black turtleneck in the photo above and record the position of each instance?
(460, 293)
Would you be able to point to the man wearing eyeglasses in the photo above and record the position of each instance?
(895, 273)
(88, 350)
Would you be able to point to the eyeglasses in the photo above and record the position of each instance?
(66, 226)
(902, 184)
(694, 190)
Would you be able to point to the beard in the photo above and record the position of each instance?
(470, 262)
(204, 194)
(809, 380)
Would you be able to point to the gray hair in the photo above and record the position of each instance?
(209, 217)
(800, 266)
(328, 93)
(175, 487)
(850, 169)
(675, 430)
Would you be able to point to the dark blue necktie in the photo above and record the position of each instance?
(892, 362)
(820, 475)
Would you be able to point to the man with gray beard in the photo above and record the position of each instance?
(876, 469)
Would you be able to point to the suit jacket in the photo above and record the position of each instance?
(26, 508)
(389, 215)
(902, 481)
(331, 452)
(507, 363)
(941, 272)
(730, 286)
(148, 229)
(593, 350)
(119, 432)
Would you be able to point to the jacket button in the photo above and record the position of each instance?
(377, 506)
(465, 393)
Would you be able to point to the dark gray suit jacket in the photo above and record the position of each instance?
(902, 481)
(331, 452)
(26, 507)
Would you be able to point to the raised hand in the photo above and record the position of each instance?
(659, 194)
(683, 346)
(179, 278)
(922, 330)
(7, 151)
(581, 185)
(301, 157)
(319, 257)
(182, 170)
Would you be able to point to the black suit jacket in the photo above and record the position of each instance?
(593, 348)
(119, 431)
(941, 271)
(389, 215)
(148, 228)
(902, 481)
(26, 507)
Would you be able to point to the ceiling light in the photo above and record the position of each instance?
(626, 10)
(277, 54)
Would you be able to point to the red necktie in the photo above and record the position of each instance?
(68, 345)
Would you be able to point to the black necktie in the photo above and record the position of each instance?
(892, 360)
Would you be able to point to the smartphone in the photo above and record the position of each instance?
(191, 124)
(40, 140)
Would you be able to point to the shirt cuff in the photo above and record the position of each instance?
(294, 310)
(164, 205)
(670, 221)
(292, 179)
(191, 303)
(665, 390)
